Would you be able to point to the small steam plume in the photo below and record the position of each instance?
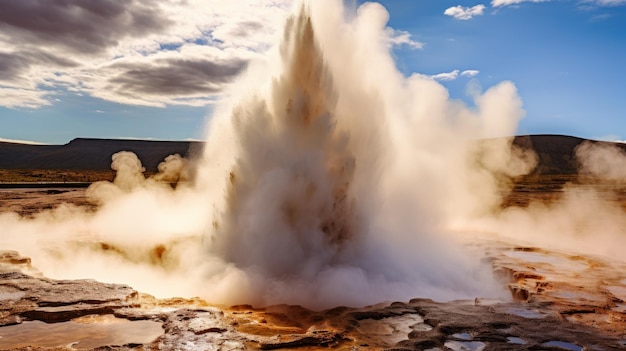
(328, 178)
(603, 161)
(587, 218)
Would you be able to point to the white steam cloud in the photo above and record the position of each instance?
(328, 178)
(602, 161)
(586, 219)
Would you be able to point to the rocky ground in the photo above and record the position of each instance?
(550, 313)
(27, 202)
(560, 301)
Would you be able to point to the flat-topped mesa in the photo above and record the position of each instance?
(91, 153)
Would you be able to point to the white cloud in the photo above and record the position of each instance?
(447, 76)
(454, 74)
(23, 98)
(401, 37)
(464, 13)
(498, 3)
(470, 73)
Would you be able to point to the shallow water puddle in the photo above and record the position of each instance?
(563, 345)
(82, 333)
(465, 345)
(462, 336)
(526, 313)
(515, 340)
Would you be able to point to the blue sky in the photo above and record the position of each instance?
(565, 57)
(159, 66)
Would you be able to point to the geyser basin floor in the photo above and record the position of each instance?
(415, 325)
(27, 202)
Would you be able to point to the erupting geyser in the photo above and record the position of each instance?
(328, 178)
(340, 168)
(289, 205)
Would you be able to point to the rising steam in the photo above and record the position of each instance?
(328, 178)
(342, 171)
(585, 219)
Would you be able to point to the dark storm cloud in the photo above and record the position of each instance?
(176, 77)
(35, 56)
(15, 64)
(145, 52)
(79, 25)
(11, 66)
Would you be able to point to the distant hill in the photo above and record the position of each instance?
(92, 154)
(555, 152)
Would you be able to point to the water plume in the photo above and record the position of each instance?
(328, 178)
(344, 173)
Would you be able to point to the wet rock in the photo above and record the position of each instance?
(198, 330)
(24, 297)
(557, 311)
(316, 338)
